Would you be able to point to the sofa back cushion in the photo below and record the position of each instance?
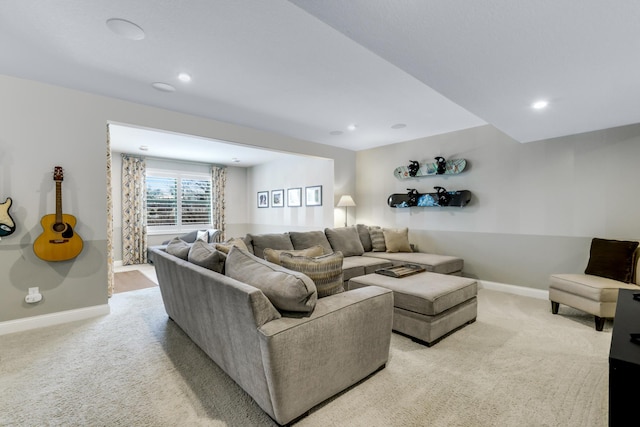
(345, 240)
(178, 247)
(324, 270)
(205, 255)
(307, 239)
(613, 259)
(260, 242)
(273, 255)
(365, 237)
(287, 290)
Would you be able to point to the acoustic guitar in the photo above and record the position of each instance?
(58, 241)
(7, 226)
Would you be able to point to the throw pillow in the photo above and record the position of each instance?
(306, 239)
(178, 247)
(273, 255)
(287, 290)
(396, 240)
(365, 237)
(226, 246)
(206, 255)
(325, 271)
(274, 241)
(612, 259)
(202, 235)
(345, 240)
(377, 239)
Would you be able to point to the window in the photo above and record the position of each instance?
(177, 201)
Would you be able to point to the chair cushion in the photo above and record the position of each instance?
(588, 286)
(287, 290)
(612, 259)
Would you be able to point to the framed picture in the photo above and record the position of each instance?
(314, 195)
(263, 199)
(294, 197)
(277, 198)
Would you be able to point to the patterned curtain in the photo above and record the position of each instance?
(109, 221)
(219, 181)
(134, 230)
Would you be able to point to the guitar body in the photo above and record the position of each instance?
(58, 241)
(61, 245)
(7, 226)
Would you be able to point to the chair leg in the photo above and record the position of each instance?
(554, 307)
(599, 323)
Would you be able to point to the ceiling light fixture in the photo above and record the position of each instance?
(184, 77)
(144, 148)
(399, 126)
(163, 87)
(126, 29)
(335, 132)
(352, 127)
(539, 105)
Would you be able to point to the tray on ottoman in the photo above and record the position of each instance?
(403, 270)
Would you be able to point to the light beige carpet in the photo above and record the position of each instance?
(517, 365)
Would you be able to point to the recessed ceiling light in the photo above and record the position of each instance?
(399, 126)
(335, 132)
(352, 127)
(184, 77)
(126, 29)
(539, 105)
(235, 160)
(163, 87)
(144, 148)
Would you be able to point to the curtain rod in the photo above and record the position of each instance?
(164, 159)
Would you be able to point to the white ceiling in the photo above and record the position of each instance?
(306, 68)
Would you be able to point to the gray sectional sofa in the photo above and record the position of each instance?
(269, 328)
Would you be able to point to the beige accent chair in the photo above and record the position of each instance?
(592, 293)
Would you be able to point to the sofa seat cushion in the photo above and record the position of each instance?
(307, 239)
(287, 290)
(363, 265)
(324, 270)
(589, 286)
(443, 264)
(260, 242)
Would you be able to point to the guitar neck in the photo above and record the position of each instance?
(58, 202)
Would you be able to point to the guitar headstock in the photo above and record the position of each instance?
(57, 173)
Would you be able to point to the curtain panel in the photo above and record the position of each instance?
(134, 230)
(219, 182)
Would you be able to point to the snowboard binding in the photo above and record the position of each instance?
(443, 196)
(413, 196)
(441, 163)
(413, 167)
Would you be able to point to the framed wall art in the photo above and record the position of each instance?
(294, 197)
(263, 199)
(314, 195)
(277, 198)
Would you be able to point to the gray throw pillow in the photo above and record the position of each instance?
(205, 255)
(365, 238)
(178, 247)
(274, 241)
(287, 290)
(377, 239)
(307, 239)
(345, 240)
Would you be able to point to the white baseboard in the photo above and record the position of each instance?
(117, 263)
(512, 289)
(43, 320)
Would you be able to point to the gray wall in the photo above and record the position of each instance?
(535, 206)
(42, 126)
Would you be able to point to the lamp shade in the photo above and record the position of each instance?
(345, 201)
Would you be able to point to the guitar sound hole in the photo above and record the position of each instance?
(59, 227)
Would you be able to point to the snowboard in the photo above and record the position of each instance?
(440, 167)
(440, 198)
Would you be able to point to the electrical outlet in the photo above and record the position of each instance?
(33, 296)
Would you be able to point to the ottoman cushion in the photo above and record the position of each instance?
(443, 264)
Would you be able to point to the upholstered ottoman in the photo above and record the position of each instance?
(427, 306)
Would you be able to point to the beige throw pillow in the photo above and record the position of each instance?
(325, 271)
(273, 255)
(226, 246)
(396, 239)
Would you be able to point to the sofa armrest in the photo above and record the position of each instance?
(309, 359)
